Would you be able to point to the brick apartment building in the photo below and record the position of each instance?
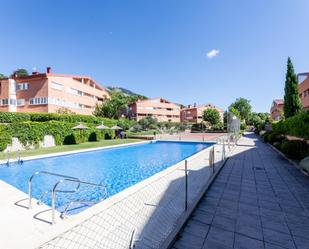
(303, 88)
(194, 114)
(159, 108)
(276, 110)
(48, 92)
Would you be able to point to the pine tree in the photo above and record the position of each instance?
(292, 103)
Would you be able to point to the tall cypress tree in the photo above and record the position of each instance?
(292, 103)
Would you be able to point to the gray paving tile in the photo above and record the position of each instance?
(261, 206)
(211, 244)
(224, 223)
(250, 231)
(275, 225)
(301, 243)
(196, 228)
(203, 217)
(220, 236)
(187, 240)
(243, 242)
(277, 238)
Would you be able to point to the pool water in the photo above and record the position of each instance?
(116, 168)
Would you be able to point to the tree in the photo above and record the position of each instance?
(292, 103)
(243, 107)
(2, 76)
(212, 116)
(113, 107)
(20, 72)
(148, 123)
(64, 110)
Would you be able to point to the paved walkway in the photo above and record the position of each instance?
(258, 200)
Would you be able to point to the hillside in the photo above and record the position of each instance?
(125, 91)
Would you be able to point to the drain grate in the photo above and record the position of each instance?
(258, 168)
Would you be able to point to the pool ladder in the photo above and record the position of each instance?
(19, 160)
(55, 190)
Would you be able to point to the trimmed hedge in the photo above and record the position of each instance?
(31, 133)
(12, 117)
(296, 149)
(297, 126)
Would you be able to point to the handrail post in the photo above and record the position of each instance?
(186, 185)
(53, 207)
(29, 193)
(213, 159)
(8, 158)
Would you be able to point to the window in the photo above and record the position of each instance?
(38, 101)
(5, 102)
(22, 86)
(20, 102)
(75, 91)
(12, 101)
(56, 86)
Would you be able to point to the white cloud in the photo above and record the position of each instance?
(212, 53)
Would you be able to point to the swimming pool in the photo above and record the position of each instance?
(116, 168)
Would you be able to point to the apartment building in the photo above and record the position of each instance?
(276, 110)
(48, 92)
(159, 108)
(303, 88)
(194, 114)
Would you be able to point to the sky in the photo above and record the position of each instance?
(187, 51)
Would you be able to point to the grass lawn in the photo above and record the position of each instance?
(72, 147)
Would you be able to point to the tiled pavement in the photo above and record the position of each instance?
(258, 200)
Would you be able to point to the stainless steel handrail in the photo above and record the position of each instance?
(38, 173)
(69, 180)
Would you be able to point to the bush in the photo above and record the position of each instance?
(5, 139)
(93, 137)
(33, 132)
(137, 128)
(69, 139)
(126, 124)
(294, 126)
(296, 149)
(12, 117)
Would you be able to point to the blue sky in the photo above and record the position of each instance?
(159, 47)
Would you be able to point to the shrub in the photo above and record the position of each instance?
(137, 128)
(294, 126)
(296, 149)
(5, 139)
(33, 132)
(69, 139)
(125, 123)
(93, 137)
(12, 117)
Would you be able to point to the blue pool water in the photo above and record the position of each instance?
(116, 168)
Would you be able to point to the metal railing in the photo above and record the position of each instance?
(44, 194)
(145, 217)
(54, 190)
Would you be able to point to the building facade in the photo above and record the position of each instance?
(303, 88)
(159, 108)
(47, 92)
(194, 114)
(276, 110)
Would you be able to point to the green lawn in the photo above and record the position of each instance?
(63, 148)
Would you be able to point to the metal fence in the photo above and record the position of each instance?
(145, 218)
